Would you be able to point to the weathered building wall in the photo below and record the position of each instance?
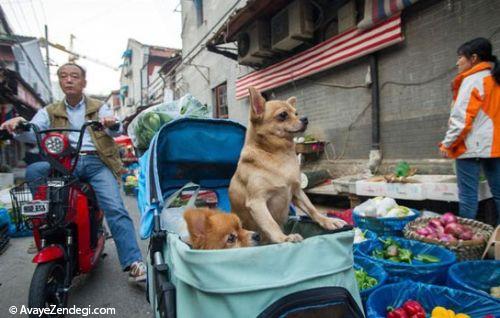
(414, 114)
(414, 79)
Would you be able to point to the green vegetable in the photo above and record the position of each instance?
(164, 118)
(154, 121)
(402, 169)
(364, 280)
(392, 251)
(426, 258)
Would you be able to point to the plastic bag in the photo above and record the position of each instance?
(475, 277)
(434, 273)
(4, 217)
(376, 207)
(143, 127)
(429, 296)
(172, 218)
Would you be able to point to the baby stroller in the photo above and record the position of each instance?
(314, 278)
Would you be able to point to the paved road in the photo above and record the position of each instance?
(107, 286)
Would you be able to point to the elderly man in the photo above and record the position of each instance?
(99, 163)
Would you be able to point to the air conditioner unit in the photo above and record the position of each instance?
(292, 26)
(254, 44)
(347, 16)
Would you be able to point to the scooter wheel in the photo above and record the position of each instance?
(46, 287)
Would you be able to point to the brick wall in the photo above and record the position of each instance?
(413, 117)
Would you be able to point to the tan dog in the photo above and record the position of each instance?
(267, 179)
(212, 230)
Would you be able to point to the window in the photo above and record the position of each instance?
(221, 109)
(198, 4)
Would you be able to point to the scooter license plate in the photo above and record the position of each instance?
(35, 208)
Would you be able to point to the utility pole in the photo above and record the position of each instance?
(48, 61)
(71, 58)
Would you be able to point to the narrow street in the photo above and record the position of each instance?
(106, 287)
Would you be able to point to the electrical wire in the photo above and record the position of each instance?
(23, 15)
(21, 30)
(43, 12)
(36, 19)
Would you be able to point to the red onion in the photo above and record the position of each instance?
(448, 218)
(466, 235)
(435, 223)
(453, 229)
(424, 231)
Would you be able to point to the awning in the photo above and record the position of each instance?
(337, 50)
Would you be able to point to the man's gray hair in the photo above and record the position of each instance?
(84, 72)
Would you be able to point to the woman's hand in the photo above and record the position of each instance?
(443, 153)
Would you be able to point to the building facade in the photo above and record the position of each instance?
(141, 64)
(414, 75)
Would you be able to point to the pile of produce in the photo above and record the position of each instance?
(410, 309)
(148, 125)
(413, 309)
(495, 292)
(382, 208)
(447, 229)
(364, 280)
(130, 184)
(359, 235)
(392, 251)
(142, 129)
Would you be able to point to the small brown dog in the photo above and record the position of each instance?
(267, 179)
(212, 230)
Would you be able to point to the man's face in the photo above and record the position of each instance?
(71, 80)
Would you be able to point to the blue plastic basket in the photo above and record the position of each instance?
(434, 273)
(475, 277)
(384, 226)
(429, 296)
(372, 269)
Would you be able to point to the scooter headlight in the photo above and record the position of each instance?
(54, 144)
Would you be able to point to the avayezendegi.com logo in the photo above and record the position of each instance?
(54, 310)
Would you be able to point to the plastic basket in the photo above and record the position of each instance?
(384, 226)
(465, 250)
(429, 296)
(372, 269)
(475, 276)
(434, 273)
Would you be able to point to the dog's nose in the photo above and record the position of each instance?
(256, 237)
(304, 120)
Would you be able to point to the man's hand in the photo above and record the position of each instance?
(11, 124)
(109, 121)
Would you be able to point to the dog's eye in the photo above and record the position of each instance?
(296, 114)
(283, 116)
(231, 238)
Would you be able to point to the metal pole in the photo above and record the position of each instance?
(48, 61)
(375, 103)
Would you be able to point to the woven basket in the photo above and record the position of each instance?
(465, 250)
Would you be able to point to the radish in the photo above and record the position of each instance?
(448, 218)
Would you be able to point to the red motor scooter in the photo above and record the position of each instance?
(63, 213)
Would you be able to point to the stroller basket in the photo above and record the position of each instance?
(240, 282)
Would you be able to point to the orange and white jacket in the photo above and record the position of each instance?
(474, 126)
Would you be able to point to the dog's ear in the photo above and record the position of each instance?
(257, 103)
(196, 221)
(292, 101)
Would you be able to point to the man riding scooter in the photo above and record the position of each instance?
(99, 162)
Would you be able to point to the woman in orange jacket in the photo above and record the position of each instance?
(473, 136)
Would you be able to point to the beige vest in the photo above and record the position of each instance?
(104, 144)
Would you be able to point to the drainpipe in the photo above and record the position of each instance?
(375, 157)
